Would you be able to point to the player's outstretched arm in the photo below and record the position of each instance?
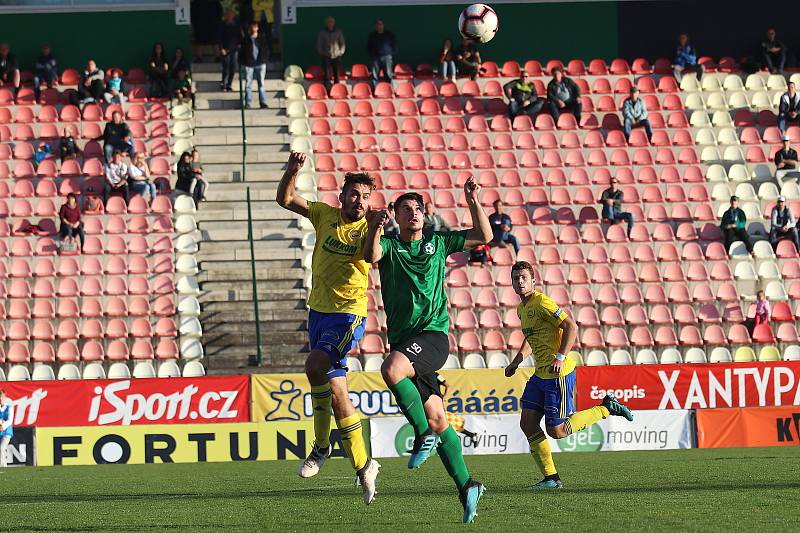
(524, 351)
(287, 196)
(481, 231)
(372, 243)
(569, 332)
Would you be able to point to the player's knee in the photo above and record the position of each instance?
(437, 422)
(392, 373)
(317, 365)
(557, 432)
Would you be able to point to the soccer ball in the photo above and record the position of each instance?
(478, 23)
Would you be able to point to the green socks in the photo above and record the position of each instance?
(450, 453)
(410, 402)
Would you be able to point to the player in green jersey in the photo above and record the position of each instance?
(412, 269)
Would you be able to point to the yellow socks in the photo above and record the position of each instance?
(542, 454)
(321, 402)
(353, 440)
(585, 418)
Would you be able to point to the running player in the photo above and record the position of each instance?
(549, 334)
(412, 269)
(338, 307)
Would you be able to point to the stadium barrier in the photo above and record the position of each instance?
(500, 434)
(734, 428)
(692, 386)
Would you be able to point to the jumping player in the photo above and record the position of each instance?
(336, 319)
(412, 269)
(549, 334)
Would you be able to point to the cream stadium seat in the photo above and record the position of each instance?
(193, 369)
(119, 371)
(169, 369)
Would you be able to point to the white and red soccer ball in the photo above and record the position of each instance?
(478, 23)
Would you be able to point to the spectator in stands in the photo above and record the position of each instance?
(67, 146)
(116, 177)
(763, 311)
(381, 46)
(468, 59)
(789, 107)
(186, 179)
(139, 177)
(158, 71)
(45, 70)
(253, 57)
(686, 59)
(734, 226)
(91, 85)
(480, 254)
(563, 94)
(228, 43)
(115, 90)
(201, 185)
(432, 221)
(391, 228)
(773, 53)
(9, 70)
(447, 61)
(784, 225)
(522, 97)
(634, 115)
(501, 227)
(331, 47)
(785, 158)
(179, 62)
(183, 89)
(71, 224)
(611, 199)
(42, 152)
(6, 426)
(117, 137)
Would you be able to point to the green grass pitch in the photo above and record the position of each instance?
(686, 490)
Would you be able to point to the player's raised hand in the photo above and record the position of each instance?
(377, 218)
(296, 161)
(511, 370)
(471, 189)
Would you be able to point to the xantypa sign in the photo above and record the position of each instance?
(695, 386)
(130, 401)
(179, 443)
(733, 428)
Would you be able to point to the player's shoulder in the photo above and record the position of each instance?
(543, 301)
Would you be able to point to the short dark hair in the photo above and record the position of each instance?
(71, 195)
(362, 178)
(415, 196)
(555, 69)
(522, 265)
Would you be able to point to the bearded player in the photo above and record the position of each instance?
(336, 318)
(549, 334)
(412, 269)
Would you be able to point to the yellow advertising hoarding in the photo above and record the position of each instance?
(287, 397)
(175, 443)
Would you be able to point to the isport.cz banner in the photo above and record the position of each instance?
(692, 386)
(481, 391)
(130, 401)
(500, 434)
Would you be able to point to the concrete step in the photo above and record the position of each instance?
(272, 292)
(209, 118)
(220, 153)
(231, 172)
(242, 288)
(263, 234)
(275, 105)
(260, 191)
(257, 135)
(241, 271)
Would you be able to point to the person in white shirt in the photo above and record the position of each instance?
(139, 177)
(116, 177)
(6, 426)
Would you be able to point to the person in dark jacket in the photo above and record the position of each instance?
(45, 70)
(9, 69)
(70, 217)
(468, 59)
(186, 179)
(734, 226)
(634, 114)
(381, 46)
(611, 199)
(331, 47)
(117, 137)
(501, 227)
(685, 59)
(158, 71)
(784, 225)
(789, 107)
(228, 43)
(773, 53)
(786, 157)
(522, 97)
(67, 145)
(91, 85)
(563, 95)
(253, 56)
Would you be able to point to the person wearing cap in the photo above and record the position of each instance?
(783, 224)
(634, 115)
(786, 157)
(789, 107)
(734, 226)
(611, 199)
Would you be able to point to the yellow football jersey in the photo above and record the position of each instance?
(338, 270)
(541, 318)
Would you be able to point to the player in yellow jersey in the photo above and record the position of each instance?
(337, 312)
(549, 334)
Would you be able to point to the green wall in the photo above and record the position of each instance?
(112, 38)
(527, 31)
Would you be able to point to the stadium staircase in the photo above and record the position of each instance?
(228, 316)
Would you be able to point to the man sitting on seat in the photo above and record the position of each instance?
(433, 221)
(789, 107)
(634, 115)
(786, 160)
(783, 224)
(734, 226)
(686, 59)
(611, 200)
(117, 137)
(501, 227)
(522, 97)
(563, 94)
